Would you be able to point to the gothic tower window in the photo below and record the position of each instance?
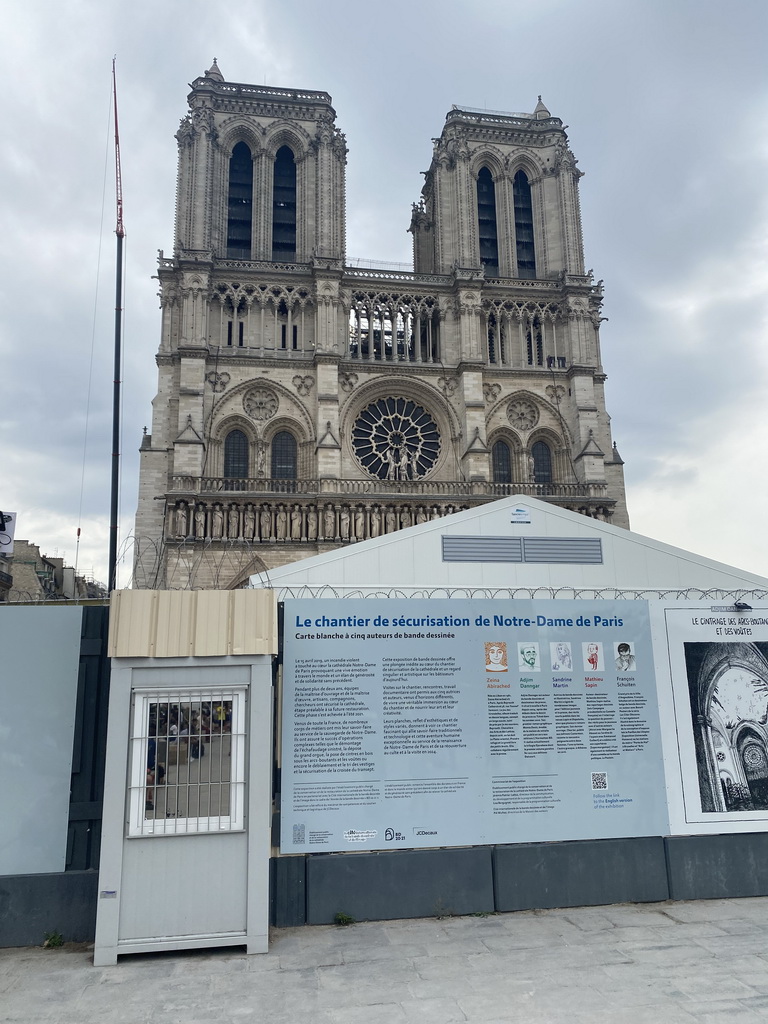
(235, 455)
(535, 343)
(284, 207)
(486, 220)
(240, 203)
(542, 463)
(526, 255)
(231, 333)
(284, 456)
(501, 460)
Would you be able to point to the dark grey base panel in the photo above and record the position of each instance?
(434, 883)
(717, 867)
(287, 891)
(31, 905)
(580, 874)
(406, 883)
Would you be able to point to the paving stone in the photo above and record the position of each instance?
(725, 1012)
(378, 1013)
(664, 953)
(432, 1010)
(706, 910)
(650, 1014)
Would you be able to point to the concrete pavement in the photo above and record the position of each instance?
(665, 963)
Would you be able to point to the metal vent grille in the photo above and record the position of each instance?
(576, 550)
(563, 550)
(482, 549)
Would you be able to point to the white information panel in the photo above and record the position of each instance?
(410, 724)
(717, 734)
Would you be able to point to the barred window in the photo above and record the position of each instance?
(235, 454)
(284, 206)
(283, 456)
(240, 203)
(524, 242)
(486, 221)
(502, 463)
(187, 752)
(542, 463)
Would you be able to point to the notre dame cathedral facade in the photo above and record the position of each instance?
(304, 404)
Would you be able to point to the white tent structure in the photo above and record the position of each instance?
(516, 547)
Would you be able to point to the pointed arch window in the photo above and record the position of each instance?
(283, 456)
(284, 207)
(235, 455)
(486, 221)
(542, 463)
(526, 254)
(501, 460)
(240, 203)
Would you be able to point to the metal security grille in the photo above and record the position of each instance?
(187, 762)
(482, 549)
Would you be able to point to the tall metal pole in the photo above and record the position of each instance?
(120, 232)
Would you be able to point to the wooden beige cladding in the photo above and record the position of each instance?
(186, 623)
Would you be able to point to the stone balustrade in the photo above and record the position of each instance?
(372, 486)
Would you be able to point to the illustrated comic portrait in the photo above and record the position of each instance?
(496, 656)
(560, 653)
(528, 656)
(624, 657)
(593, 657)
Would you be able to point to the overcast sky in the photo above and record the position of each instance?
(667, 107)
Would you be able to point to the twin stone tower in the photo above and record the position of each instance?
(304, 404)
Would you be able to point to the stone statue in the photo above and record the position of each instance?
(402, 468)
(329, 523)
(281, 523)
(181, 519)
(389, 459)
(360, 523)
(391, 520)
(217, 522)
(295, 523)
(312, 523)
(421, 515)
(344, 523)
(200, 521)
(531, 469)
(405, 518)
(265, 521)
(233, 522)
(249, 522)
(375, 521)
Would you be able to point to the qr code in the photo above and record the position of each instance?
(599, 780)
(299, 834)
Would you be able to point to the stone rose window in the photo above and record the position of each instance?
(396, 439)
